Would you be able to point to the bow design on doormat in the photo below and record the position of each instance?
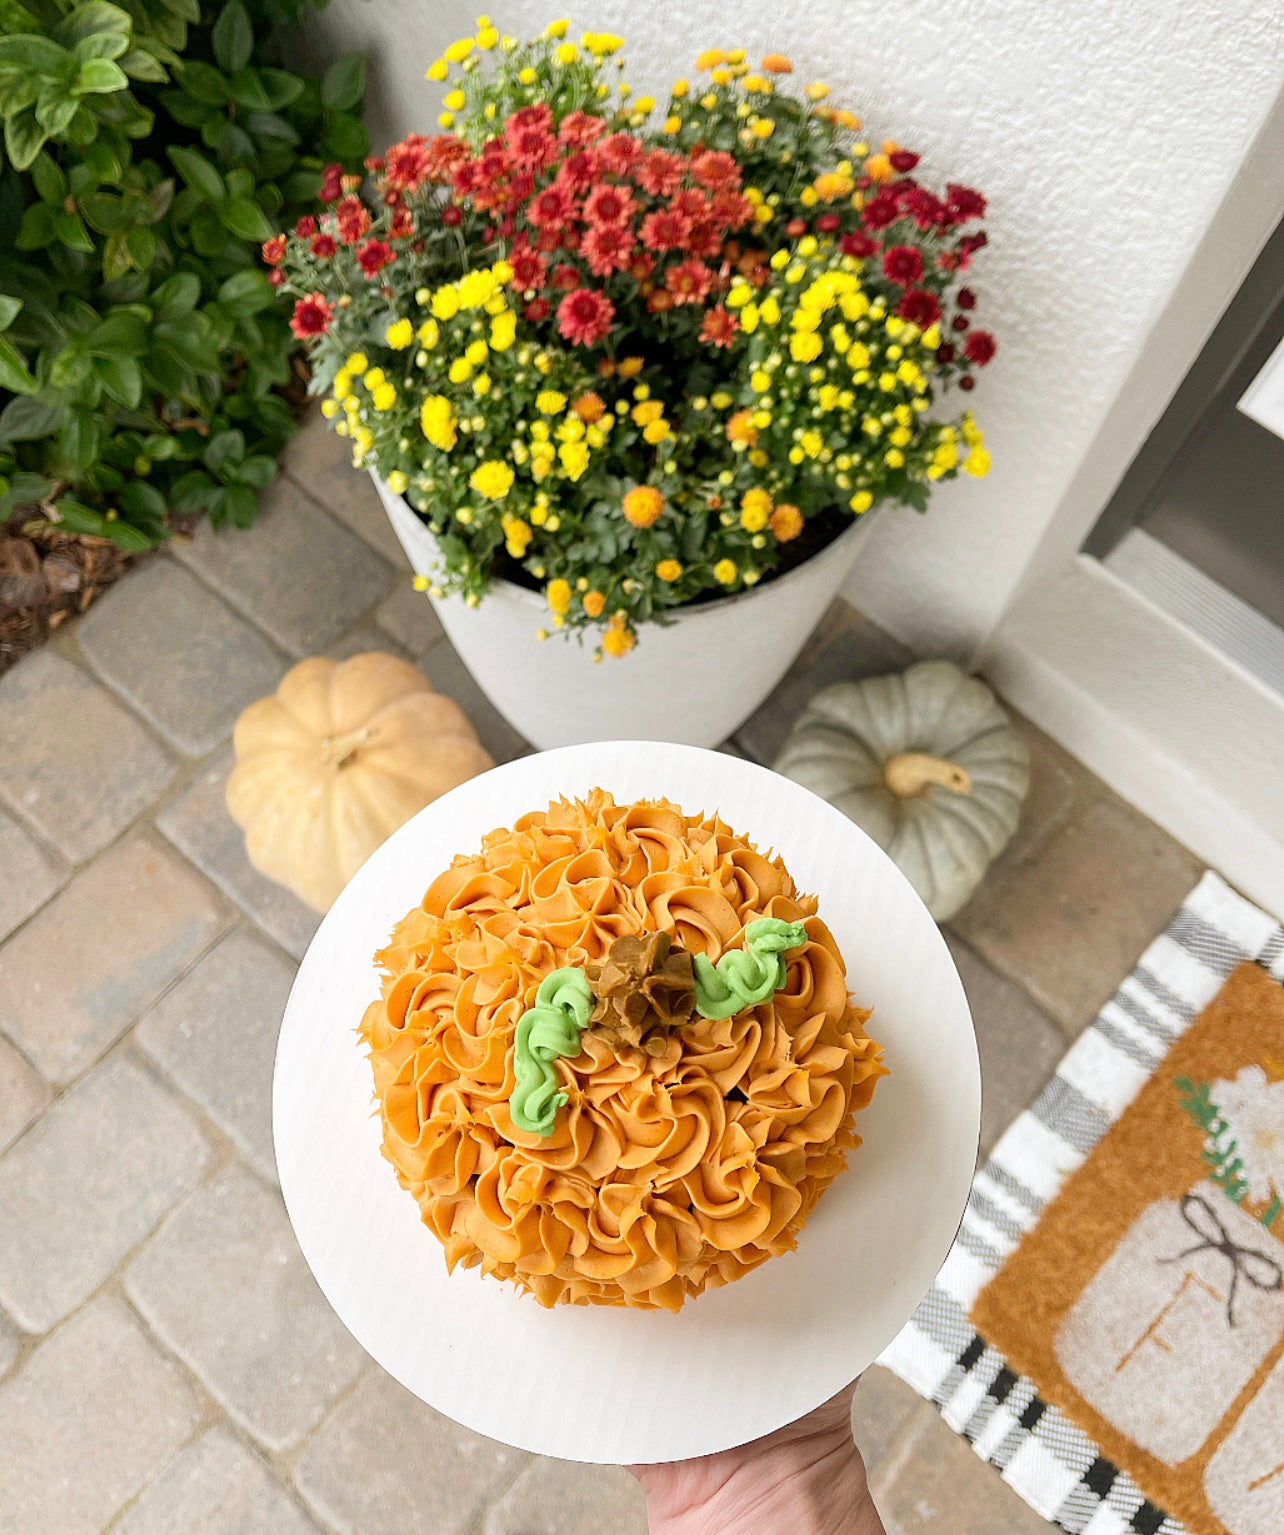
(1257, 1268)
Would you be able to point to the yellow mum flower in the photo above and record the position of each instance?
(459, 51)
(445, 302)
(655, 431)
(879, 168)
(384, 397)
(762, 127)
(527, 76)
(399, 335)
(503, 330)
(357, 363)
(725, 572)
(816, 91)
(679, 89)
(805, 346)
(567, 53)
(710, 59)
(428, 334)
(477, 352)
(341, 388)
(493, 479)
(647, 411)
(618, 641)
(977, 462)
(453, 101)
(437, 70)
(643, 505)
(630, 367)
(550, 401)
(329, 409)
(668, 570)
(558, 595)
(487, 38)
(397, 482)
(574, 458)
(437, 421)
(461, 370)
(672, 125)
(755, 509)
(861, 501)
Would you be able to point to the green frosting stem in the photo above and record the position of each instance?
(549, 1029)
(744, 977)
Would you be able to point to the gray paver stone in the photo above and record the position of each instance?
(881, 1408)
(561, 1497)
(23, 1094)
(302, 577)
(82, 969)
(365, 638)
(87, 1184)
(183, 659)
(449, 675)
(321, 463)
(410, 618)
(383, 1463)
(215, 1035)
(75, 763)
(91, 1417)
(198, 823)
(216, 1487)
(30, 875)
(225, 1286)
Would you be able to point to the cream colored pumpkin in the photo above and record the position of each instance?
(336, 760)
(926, 763)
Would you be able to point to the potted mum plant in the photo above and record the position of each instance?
(635, 375)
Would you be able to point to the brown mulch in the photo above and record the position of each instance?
(45, 578)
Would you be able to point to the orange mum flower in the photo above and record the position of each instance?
(643, 505)
(777, 64)
(740, 428)
(879, 168)
(786, 522)
(617, 640)
(588, 406)
(594, 602)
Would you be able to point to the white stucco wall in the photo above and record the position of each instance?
(1105, 136)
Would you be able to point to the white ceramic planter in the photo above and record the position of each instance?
(693, 681)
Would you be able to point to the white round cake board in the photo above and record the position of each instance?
(596, 1383)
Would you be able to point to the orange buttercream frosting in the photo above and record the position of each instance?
(666, 1173)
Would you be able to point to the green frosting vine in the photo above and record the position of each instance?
(741, 978)
(549, 1029)
(744, 977)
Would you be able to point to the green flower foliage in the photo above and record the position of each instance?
(149, 148)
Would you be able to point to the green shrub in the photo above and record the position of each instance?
(149, 148)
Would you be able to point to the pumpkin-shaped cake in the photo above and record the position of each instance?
(615, 1057)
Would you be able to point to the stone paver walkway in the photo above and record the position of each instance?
(166, 1361)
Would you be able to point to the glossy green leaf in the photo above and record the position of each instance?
(232, 37)
(10, 308)
(14, 375)
(122, 378)
(79, 436)
(204, 82)
(198, 173)
(247, 91)
(121, 333)
(245, 294)
(40, 55)
(106, 213)
(143, 504)
(257, 470)
(246, 219)
(103, 162)
(187, 110)
(281, 87)
(141, 245)
(102, 45)
(344, 83)
(95, 18)
(178, 293)
(191, 491)
(116, 258)
(75, 517)
(27, 418)
(189, 10)
(51, 184)
(224, 448)
(138, 64)
(101, 76)
(16, 92)
(346, 138)
(70, 229)
(23, 139)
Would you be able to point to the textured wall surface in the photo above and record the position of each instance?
(1105, 136)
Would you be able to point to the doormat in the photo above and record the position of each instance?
(1108, 1329)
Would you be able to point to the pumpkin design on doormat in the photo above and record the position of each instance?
(1148, 1303)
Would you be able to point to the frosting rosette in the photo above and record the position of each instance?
(670, 1169)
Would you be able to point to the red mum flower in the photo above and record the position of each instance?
(331, 184)
(578, 171)
(273, 250)
(550, 208)
(964, 203)
(980, 347)
(927, 210)
(641, 267)
(948, 261)
(705, 239)
(691, 203)
(715, 170)
(403, 223)
(919, 307)
(351, 219)
(565, 277)
(580, 128)
(619, 153)
(857, 244)
(306, 227)
(373, 256)
(971, 243)
(967, 382)
(903, 263)
(665, 230)
(607, 248)
(451, 215)
(660, 173)
(659, 300)
(584, 316)
(731, 209)
(466, 178)
(312, 316)
(443, 154)
(276, 277)
(960, 322)
(902, 160)
(323, 246)
(965, 298)
(881, 210)
(827, 223)
(529, 267)
(539, 115)
(688, 282)
(529, 146)
(406, 164)
(608, 204)
(537, 309)
(796, 227)
(719, 327)
(945, 352)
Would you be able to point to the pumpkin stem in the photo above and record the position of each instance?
(911, 773)
(338, 751)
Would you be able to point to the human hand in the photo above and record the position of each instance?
(805, 1479)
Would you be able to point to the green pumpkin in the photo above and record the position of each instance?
(926, 763)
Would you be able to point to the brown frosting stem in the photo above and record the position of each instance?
(645, 989)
